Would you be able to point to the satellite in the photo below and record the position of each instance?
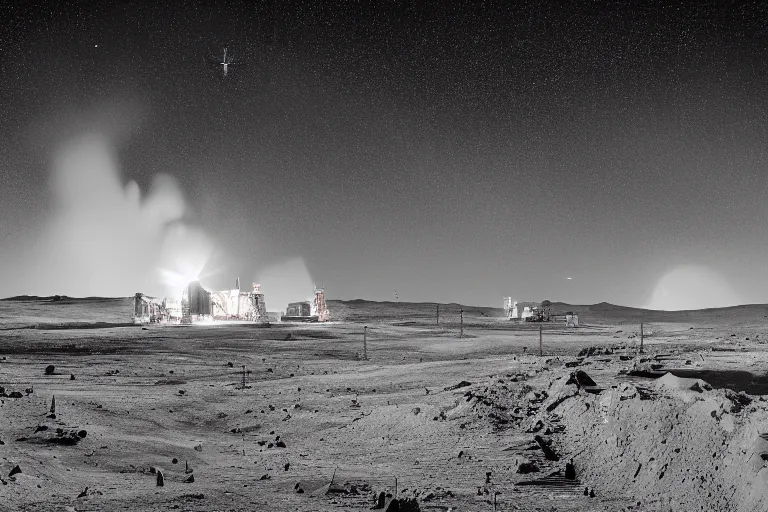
(224, 62)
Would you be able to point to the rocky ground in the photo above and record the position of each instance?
(438, 421)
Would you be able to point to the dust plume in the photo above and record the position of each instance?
(689, 287)
(104, 238)
(286, 282)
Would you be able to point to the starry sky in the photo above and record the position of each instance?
(425, 151)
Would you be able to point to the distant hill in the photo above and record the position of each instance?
(62, 298)
(30, 310)
(359, 310)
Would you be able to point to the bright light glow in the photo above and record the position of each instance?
(692, 287)
(178, 280)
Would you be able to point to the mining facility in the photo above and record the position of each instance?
(199, 305)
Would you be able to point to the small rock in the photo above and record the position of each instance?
(190, 479)
(287, 466)
(199, 447)
(416, 411)
(280, 444)
(570, 471)
(527, 467)
(581, 379)
(175, 461)
(15, 471)
(50, 369)
(71, 377)
(549, 453)
(160, 479)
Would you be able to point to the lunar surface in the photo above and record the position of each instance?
(96, 413)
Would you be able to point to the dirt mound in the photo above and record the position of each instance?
(690, 449)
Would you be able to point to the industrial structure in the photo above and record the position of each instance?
(571, 319)
(148, 309)
(239, 305)
(314, 310)
(198, 305)
(527, 311)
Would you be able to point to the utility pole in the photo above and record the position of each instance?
(541, 347)
(365, 343)
(461, 323)
(641, 337)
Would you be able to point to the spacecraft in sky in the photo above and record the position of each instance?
(225, 61)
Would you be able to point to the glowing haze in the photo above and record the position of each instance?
(692, 287)
(104, 238)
